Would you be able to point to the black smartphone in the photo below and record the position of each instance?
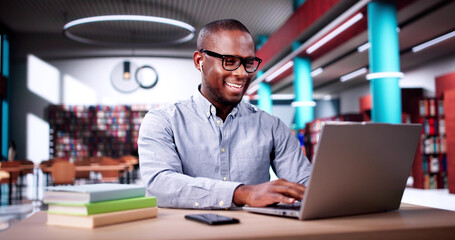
(211, 219)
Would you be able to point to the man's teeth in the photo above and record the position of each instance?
(234, 85)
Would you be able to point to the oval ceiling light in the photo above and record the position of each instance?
(140, 18)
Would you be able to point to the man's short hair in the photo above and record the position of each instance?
(219, 25)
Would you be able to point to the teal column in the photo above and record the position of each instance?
(303, 89)
(5, 106)
(261, 40)
(265, 95)
(384, 56)
(297, 3)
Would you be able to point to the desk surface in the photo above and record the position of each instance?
(410, 222)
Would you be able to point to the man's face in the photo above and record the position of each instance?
(221, 87)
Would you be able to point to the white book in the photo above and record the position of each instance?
(92, 193)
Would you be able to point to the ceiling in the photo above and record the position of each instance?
(43, 20)
(419, 22)
(36, 27)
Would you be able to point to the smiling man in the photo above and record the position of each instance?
(214, 150)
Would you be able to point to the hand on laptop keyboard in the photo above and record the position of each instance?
(268, 193)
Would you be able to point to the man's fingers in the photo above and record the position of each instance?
(290, 189)
(277, 198)
(290, 184)
(268, 193)
(291, 192)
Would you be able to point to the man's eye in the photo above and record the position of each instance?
(230, 61)
(249, 62)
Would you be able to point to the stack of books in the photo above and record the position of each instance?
(95, 205)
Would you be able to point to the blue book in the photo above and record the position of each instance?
(90, 193)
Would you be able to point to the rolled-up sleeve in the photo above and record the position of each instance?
(162, 172)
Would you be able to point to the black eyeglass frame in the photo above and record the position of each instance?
(242, 60)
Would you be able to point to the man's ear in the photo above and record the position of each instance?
(197, 59)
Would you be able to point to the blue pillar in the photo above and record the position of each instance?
(5, 106)
(303, 89)
(261, 40)
(298, 3)
(265, 95)
(384, 56)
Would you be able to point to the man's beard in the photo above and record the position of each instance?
(222, 100)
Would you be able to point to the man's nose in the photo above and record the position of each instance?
(241, 72)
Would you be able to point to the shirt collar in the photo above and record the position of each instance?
(206, 108)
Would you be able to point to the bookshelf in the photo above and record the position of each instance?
(445, 88)
(313, 130)
(87, 131)
(433, 144)
(449, 110)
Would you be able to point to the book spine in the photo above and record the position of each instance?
(119, 205)
(144, 213)
(102, 207)
(100, 219)
(116, 194)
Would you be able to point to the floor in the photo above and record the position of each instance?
(435, 198)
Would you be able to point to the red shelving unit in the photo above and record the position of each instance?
(87, 131)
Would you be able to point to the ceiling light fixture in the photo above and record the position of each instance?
(280, 71)
(327, 97)
(316, 72)
(364, 47)
(354, 74)
(432, 42)
(385, 75)
(334, 33)
(277, 97)
(139, 18)
(283, 96)
(303, 104)
(253, 89)
(126, 70)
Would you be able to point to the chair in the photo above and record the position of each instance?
(133, 164)
(29, 165)
(46, 167)
(110, 175)
(26, 168)
(14, 175)
(13, 178)
(82, 175)
(4, 175)
(95, 160)
(63, 172)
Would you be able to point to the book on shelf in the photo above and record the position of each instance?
(102, 207)
(103, 219)
(90, 193)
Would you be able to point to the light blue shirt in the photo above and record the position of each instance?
(190, 158)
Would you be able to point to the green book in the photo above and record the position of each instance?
(102, 207)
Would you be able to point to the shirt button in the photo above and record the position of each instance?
(208, 114)
(221, 203)
(223, 150)
(225, 178)
(219, 122)
(196, 204)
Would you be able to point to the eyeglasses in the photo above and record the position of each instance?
(231, 62)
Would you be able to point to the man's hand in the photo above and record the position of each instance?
(268, 193)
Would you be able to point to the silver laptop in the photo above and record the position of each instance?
(358, 168)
